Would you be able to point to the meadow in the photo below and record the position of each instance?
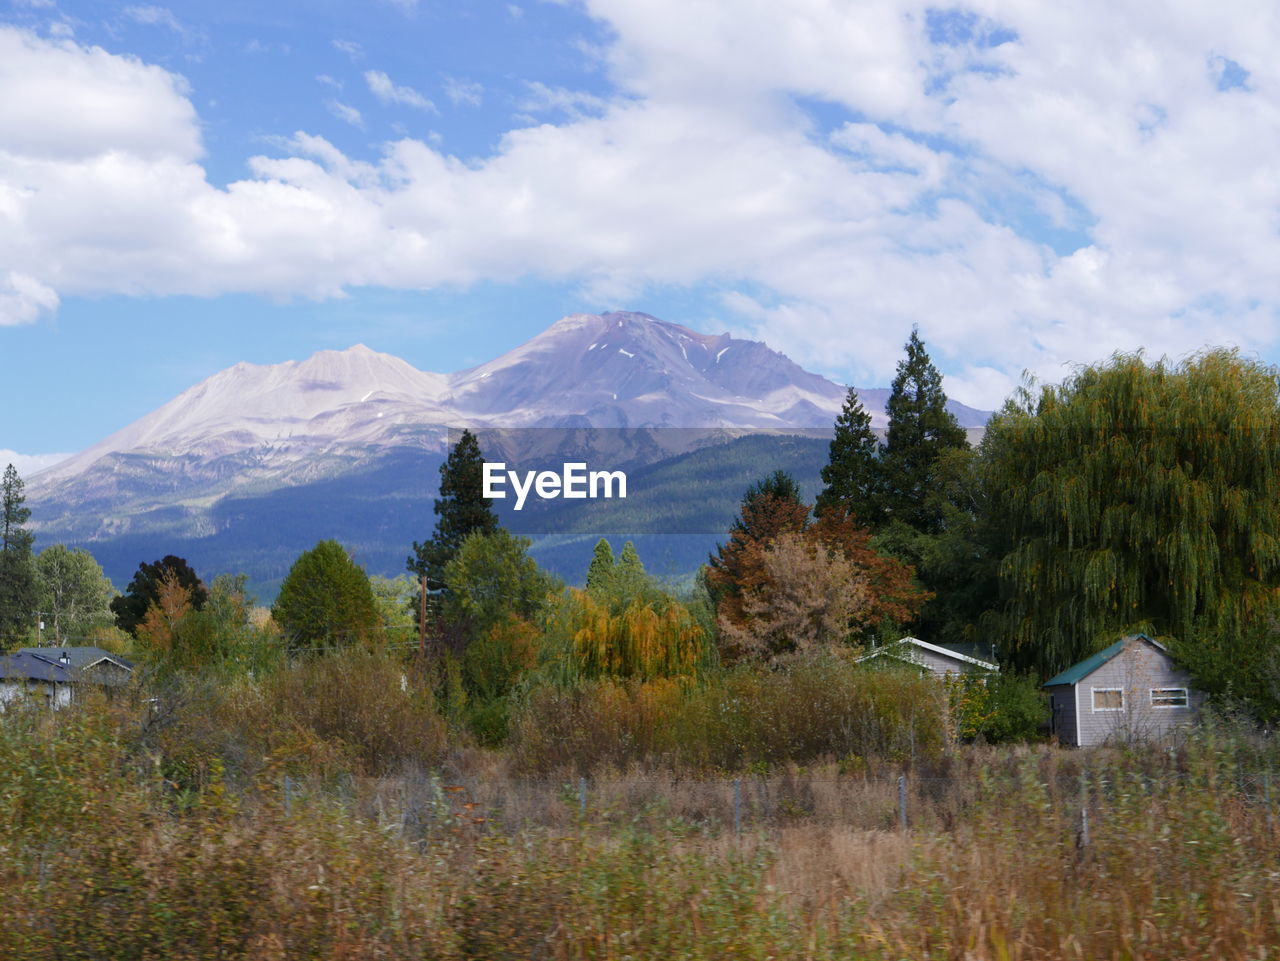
(195, 818)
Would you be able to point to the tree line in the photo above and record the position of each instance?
(1135, 495)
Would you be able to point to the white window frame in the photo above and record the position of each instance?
(1166, 691)
(1093, 700)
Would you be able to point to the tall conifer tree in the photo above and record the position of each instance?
(18, 583)
(461, 510)
(920, 430)
(852, 473)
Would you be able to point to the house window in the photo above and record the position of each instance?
(1168, 697)
(1108, 699)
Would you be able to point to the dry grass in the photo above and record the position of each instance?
(120, 839)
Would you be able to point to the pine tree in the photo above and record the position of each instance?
(13, 537)
(852, 472)
(600, 572)
(920, 430)
(461, 509)
(19, 585)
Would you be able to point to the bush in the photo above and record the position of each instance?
(810, 708)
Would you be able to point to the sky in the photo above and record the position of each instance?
(1035, 185)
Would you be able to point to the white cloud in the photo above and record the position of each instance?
(386, 91)
(28, 464)
(154, 16)
(1046, 183)
(352, 49)
(463, 92)
(345, 113)
(23, 299)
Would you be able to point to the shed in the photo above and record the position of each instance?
(1131, 691)
(937, 659)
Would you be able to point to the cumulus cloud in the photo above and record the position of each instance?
(1033, 184)
(386, 91)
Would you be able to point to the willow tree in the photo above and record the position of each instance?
(1135, 495)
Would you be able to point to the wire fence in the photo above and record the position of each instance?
(420, 805)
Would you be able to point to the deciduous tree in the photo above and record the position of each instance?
(1135, 495)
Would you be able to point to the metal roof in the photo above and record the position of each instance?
(1078, 672)
(901, 649)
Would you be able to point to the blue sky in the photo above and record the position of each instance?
(185, 186)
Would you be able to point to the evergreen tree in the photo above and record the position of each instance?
(600, 572)
(920, 430)
(130, 608)
(461, 510)
(1136, 496)
(19, 585)
(325, 599)
(852, 473)
(13, 536)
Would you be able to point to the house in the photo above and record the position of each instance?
(48, 675)
(934, 658)
(1131, 691)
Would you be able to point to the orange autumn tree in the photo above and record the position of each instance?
(783, 584)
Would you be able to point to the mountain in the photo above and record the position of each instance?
(256, 463)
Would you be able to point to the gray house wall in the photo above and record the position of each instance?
(1062, 712)
(1135, 671)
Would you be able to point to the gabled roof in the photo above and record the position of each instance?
(893, 648)
(78, 658)
(1078, 672)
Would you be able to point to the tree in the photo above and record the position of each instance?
(769, 508)
(18, 580)
(809, 598)
(921, 430)
(1135, 496)
(144, 590)
(325, 600)
(600, 571)
(13, 536)
(461, 510)
(493, 577)
(74, 592)
(852, 473)
(746, 577)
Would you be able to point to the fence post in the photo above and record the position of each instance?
(582, 795)
(288, 794)
(1084, 808)
(737, 806)
(1266, 795)
(902, 801)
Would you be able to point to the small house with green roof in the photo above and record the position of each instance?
(1131, 691)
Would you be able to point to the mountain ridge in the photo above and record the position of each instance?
(359, 433)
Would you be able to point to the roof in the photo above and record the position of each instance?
(25, 666)
(79, 658)
(1078, 672)
(948, 651)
